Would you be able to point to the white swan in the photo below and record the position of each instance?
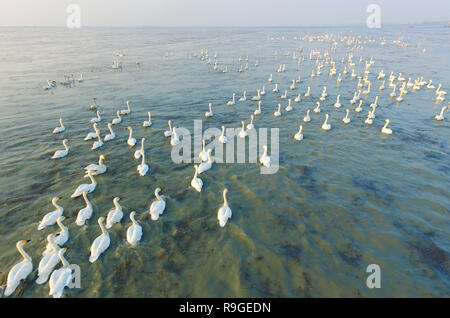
(94, 105)
(224, 212)
(62, 153)
(61, 277)
(143, 167)
(243, 132)
(99, 142)
(51, 217)
(203, 155)
(250, 126)
(375, 103)
(20, 271)
(62, 238)
(308, 92)
(134, 232)
(275, 90)
(223, 138)
(265, 159)
(346, 120)
(325, 125)
(99, 168)
(59, 129)
(140, 151)
(49, 261)
(233, 101)
(441, 115)
(289, 107)
(206, 165)
(96, 119)
(196, 182)
(101, 243)
(386, 130)
(131, 141)
(148, 123)
(85, 213)
(111, 135)
(270, 79)
(117, 120)
(92, 135)
(298, 98)
(369, 120)
(278, 112)
(284, 96)
(158, 206)
(210, 113)
(168, 133)
(258, 110)
(126, 111)
(307, 118)
(337, 104)
(257, 97)
(114, 215)
(244, 97)
(359, 108)
(317, 109)
(174, 140)
(299, 135)
(263, 91)
(85, 187)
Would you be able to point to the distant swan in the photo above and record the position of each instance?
(101, 243)
(265, 159)
(114, 215)
(224, 212)
(168, 133)
(111, 135)
(140, 151)
(131, 141)
(143, 167)
(210, 113)
(51, 217)
(117, 120)
(441, 115)
(233, 101)
(158, 206)
(278, 112)
(243, 132)
(307, 118)
(250, 126)
(223, 138)
(346, 120)
(196, 182)
(325, 125)
(126, 111)
(206, 165)
(386, 130)
(59, 129)
(134, 232)
(148, 122)
(299, 135)
(337, 104)
(62, 153)
(258, 110)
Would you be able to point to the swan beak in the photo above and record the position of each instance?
(65, 248)
(58, 198)
(56, 234)
(26, 241)
(66, 217)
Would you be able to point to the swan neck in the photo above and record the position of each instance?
(225, 202)
(25, 256)
(64, 262)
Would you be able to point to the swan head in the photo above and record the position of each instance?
(22, 242)
(129, 128)
(61, 218)
(102, 157)
(55, 199)
(101, 220)
(116, 199)
(157, 190)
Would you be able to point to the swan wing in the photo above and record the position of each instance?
(59, 279)
(18, 272)
(100, 244)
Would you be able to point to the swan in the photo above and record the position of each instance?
(243, 132)
(285, 95)
(49, 261)
(369, 120)
(346, 120)
(429, 85)
(62, 153)
(372, 114)
(134, 232)
(126, 111)
(210, 113)
(92, 135)
(317, 109)
(244, 97)
(206, 165)
(85, 187)
(307, 118)
(225, 70)
(111, 135)
(59, 129)
(232, 102)
(263, 92)
(308, 92)
(117, 120)
(203, 155)
(99, 142)
(298, 98)
(143, 167)
(158, 206)
(94, 105)
(359, 108)
(375, 102)
(114, 215)
(292, 87)
(258, 110)
(85, 213)
(61, 277)
(140, 151)
(174, 140)
(131, 141)
(289, 106)
(270, 79)
(224, 212)
(325, 125)
(99, 168)
(386, 130)
(51, 217)
(275, 90)
(168, 133)
(393, 92)
(250, 126)
(265, 159)
(354, 99)
(278, 112)
(148, 122)
(299, 135)
(81, 79)
(337, 104)
(20, 271)
(101, 243)
(257, 97)
(196, 182)
(223, 138)
(441, 115)
(61, 238)
(49, 85)
(96, 119)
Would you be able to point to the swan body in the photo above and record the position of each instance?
(346, 120)
(278, 112)
(148, 122)
(101, 243)
(85, 213)
(210, 113)
(114, 215)
(51, 217)
(243, 132)
(265, 159)
(258, 110)
(307, 118)
(223, 139)
(224, 212)
(299, 136)
(386, 130)
(337, 104)
(203, 155)
(196, 182)
(49, 261)
(20, 271)
(62, 153)
(117, 120)
(96, 119)
(61, 277)
(134, 232)
(158, 206)
(233, 101)
(126, 111)
(441, 115)
(289, 106)
(325, 125)
(85, 187)
(111, 135)
(174, 140)
(206, 165)
(59, 129)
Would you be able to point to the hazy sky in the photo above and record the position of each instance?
(219, 12)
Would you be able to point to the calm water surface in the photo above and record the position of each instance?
(341, 199)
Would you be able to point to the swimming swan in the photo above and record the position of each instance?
(143, 167)
(126, 111)
(258, 110)
(174, 140)
(265, 159)
(20, 271)
(92, 135)
(111, 135)
(196, 182)
(131, 141)
(232, 102)
(140, 151)
(51, 217)
(210, 113)
(114, 215)
(325, 125)
(59, 129)
(278, 112)
(386, 130)
(441, 115)
(299, 135)
(224, 212)
(250, 126)
(307, 118)
(168, 133)
(134, 232)
(346, 120)
(85, 187)
(203, 155)
(61, 277)
(99, 168)
(223, 138)
(117, 120)
(85, 213)
(206, 165)
(96, 119)
(101, 243)
(49, 261)
(148, 122)
(158, 206)
(243, 132)
(62, 153)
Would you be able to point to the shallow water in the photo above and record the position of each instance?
(341, 199)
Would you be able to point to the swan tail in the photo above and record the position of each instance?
(42, 278)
